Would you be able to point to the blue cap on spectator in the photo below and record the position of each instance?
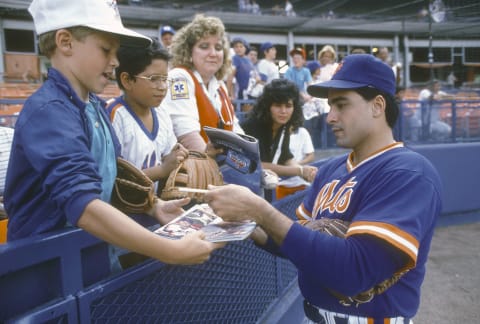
(167, 30)
(313, 66)
(243, 41)
(358, 71)
(266, 46)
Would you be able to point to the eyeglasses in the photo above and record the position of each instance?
(156, 80)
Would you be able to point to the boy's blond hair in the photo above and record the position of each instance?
(47, 43)
(187, 36)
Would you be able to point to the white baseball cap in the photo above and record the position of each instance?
(102, 15)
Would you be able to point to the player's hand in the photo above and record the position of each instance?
(165, 211)
(194, 249)
(309, 172)
(234, 202)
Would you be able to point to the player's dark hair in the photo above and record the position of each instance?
(391, 109)
(279, 91)
(134, 60)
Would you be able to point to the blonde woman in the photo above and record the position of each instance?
(197, 95)
(328, 63)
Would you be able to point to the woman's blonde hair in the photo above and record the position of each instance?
(186, 38)
(326, 49)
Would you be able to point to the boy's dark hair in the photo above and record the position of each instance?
(391, 109)
(134, 60)
(279, 91)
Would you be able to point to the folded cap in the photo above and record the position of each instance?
(102, 15)
(167, 30)
(266, 46)
(357, 71)
(300, 51)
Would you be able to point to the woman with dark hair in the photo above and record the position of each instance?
(276, 115)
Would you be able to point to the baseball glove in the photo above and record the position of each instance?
(133, 191)
(339, 228)
(197, 171)
(334, 227)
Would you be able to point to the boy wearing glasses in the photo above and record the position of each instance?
(145, 132)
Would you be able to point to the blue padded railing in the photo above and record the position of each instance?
(64, 278)
(39, 276)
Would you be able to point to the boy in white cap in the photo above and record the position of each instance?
(63, 162)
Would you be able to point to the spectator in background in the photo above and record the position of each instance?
(166, 35)
(198, 96)
(314, 68)
(276, 114)
(242, 5)
(327, 59)
(358, 50)
(384, 55)
(313, 107)
(255, 8)
(451, 79)
(411, 124)
(253, 56)
(430, 111)
(328, 62)
(267, 65)
(257, 80)
(242, 66)
(298, 73)
(289, 11)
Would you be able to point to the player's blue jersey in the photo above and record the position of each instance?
(394, 196)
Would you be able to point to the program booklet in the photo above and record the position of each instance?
(241, 150)
(202, 217)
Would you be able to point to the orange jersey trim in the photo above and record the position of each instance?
(391, 234)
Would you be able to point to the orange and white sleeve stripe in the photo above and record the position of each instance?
(389, 233)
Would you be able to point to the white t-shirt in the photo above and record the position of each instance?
(268, 68)
(301, 144)
(181, 103)
(143, 148)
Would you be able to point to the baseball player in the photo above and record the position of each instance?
(389, 195)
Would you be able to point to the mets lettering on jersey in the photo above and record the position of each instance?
(392, 198)
(179, 89)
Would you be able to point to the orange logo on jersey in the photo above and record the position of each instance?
(334, 199)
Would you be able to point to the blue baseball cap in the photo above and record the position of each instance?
(358, 71)
(167, 30)
(266, 46)
(313, 66)
(243, 41)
